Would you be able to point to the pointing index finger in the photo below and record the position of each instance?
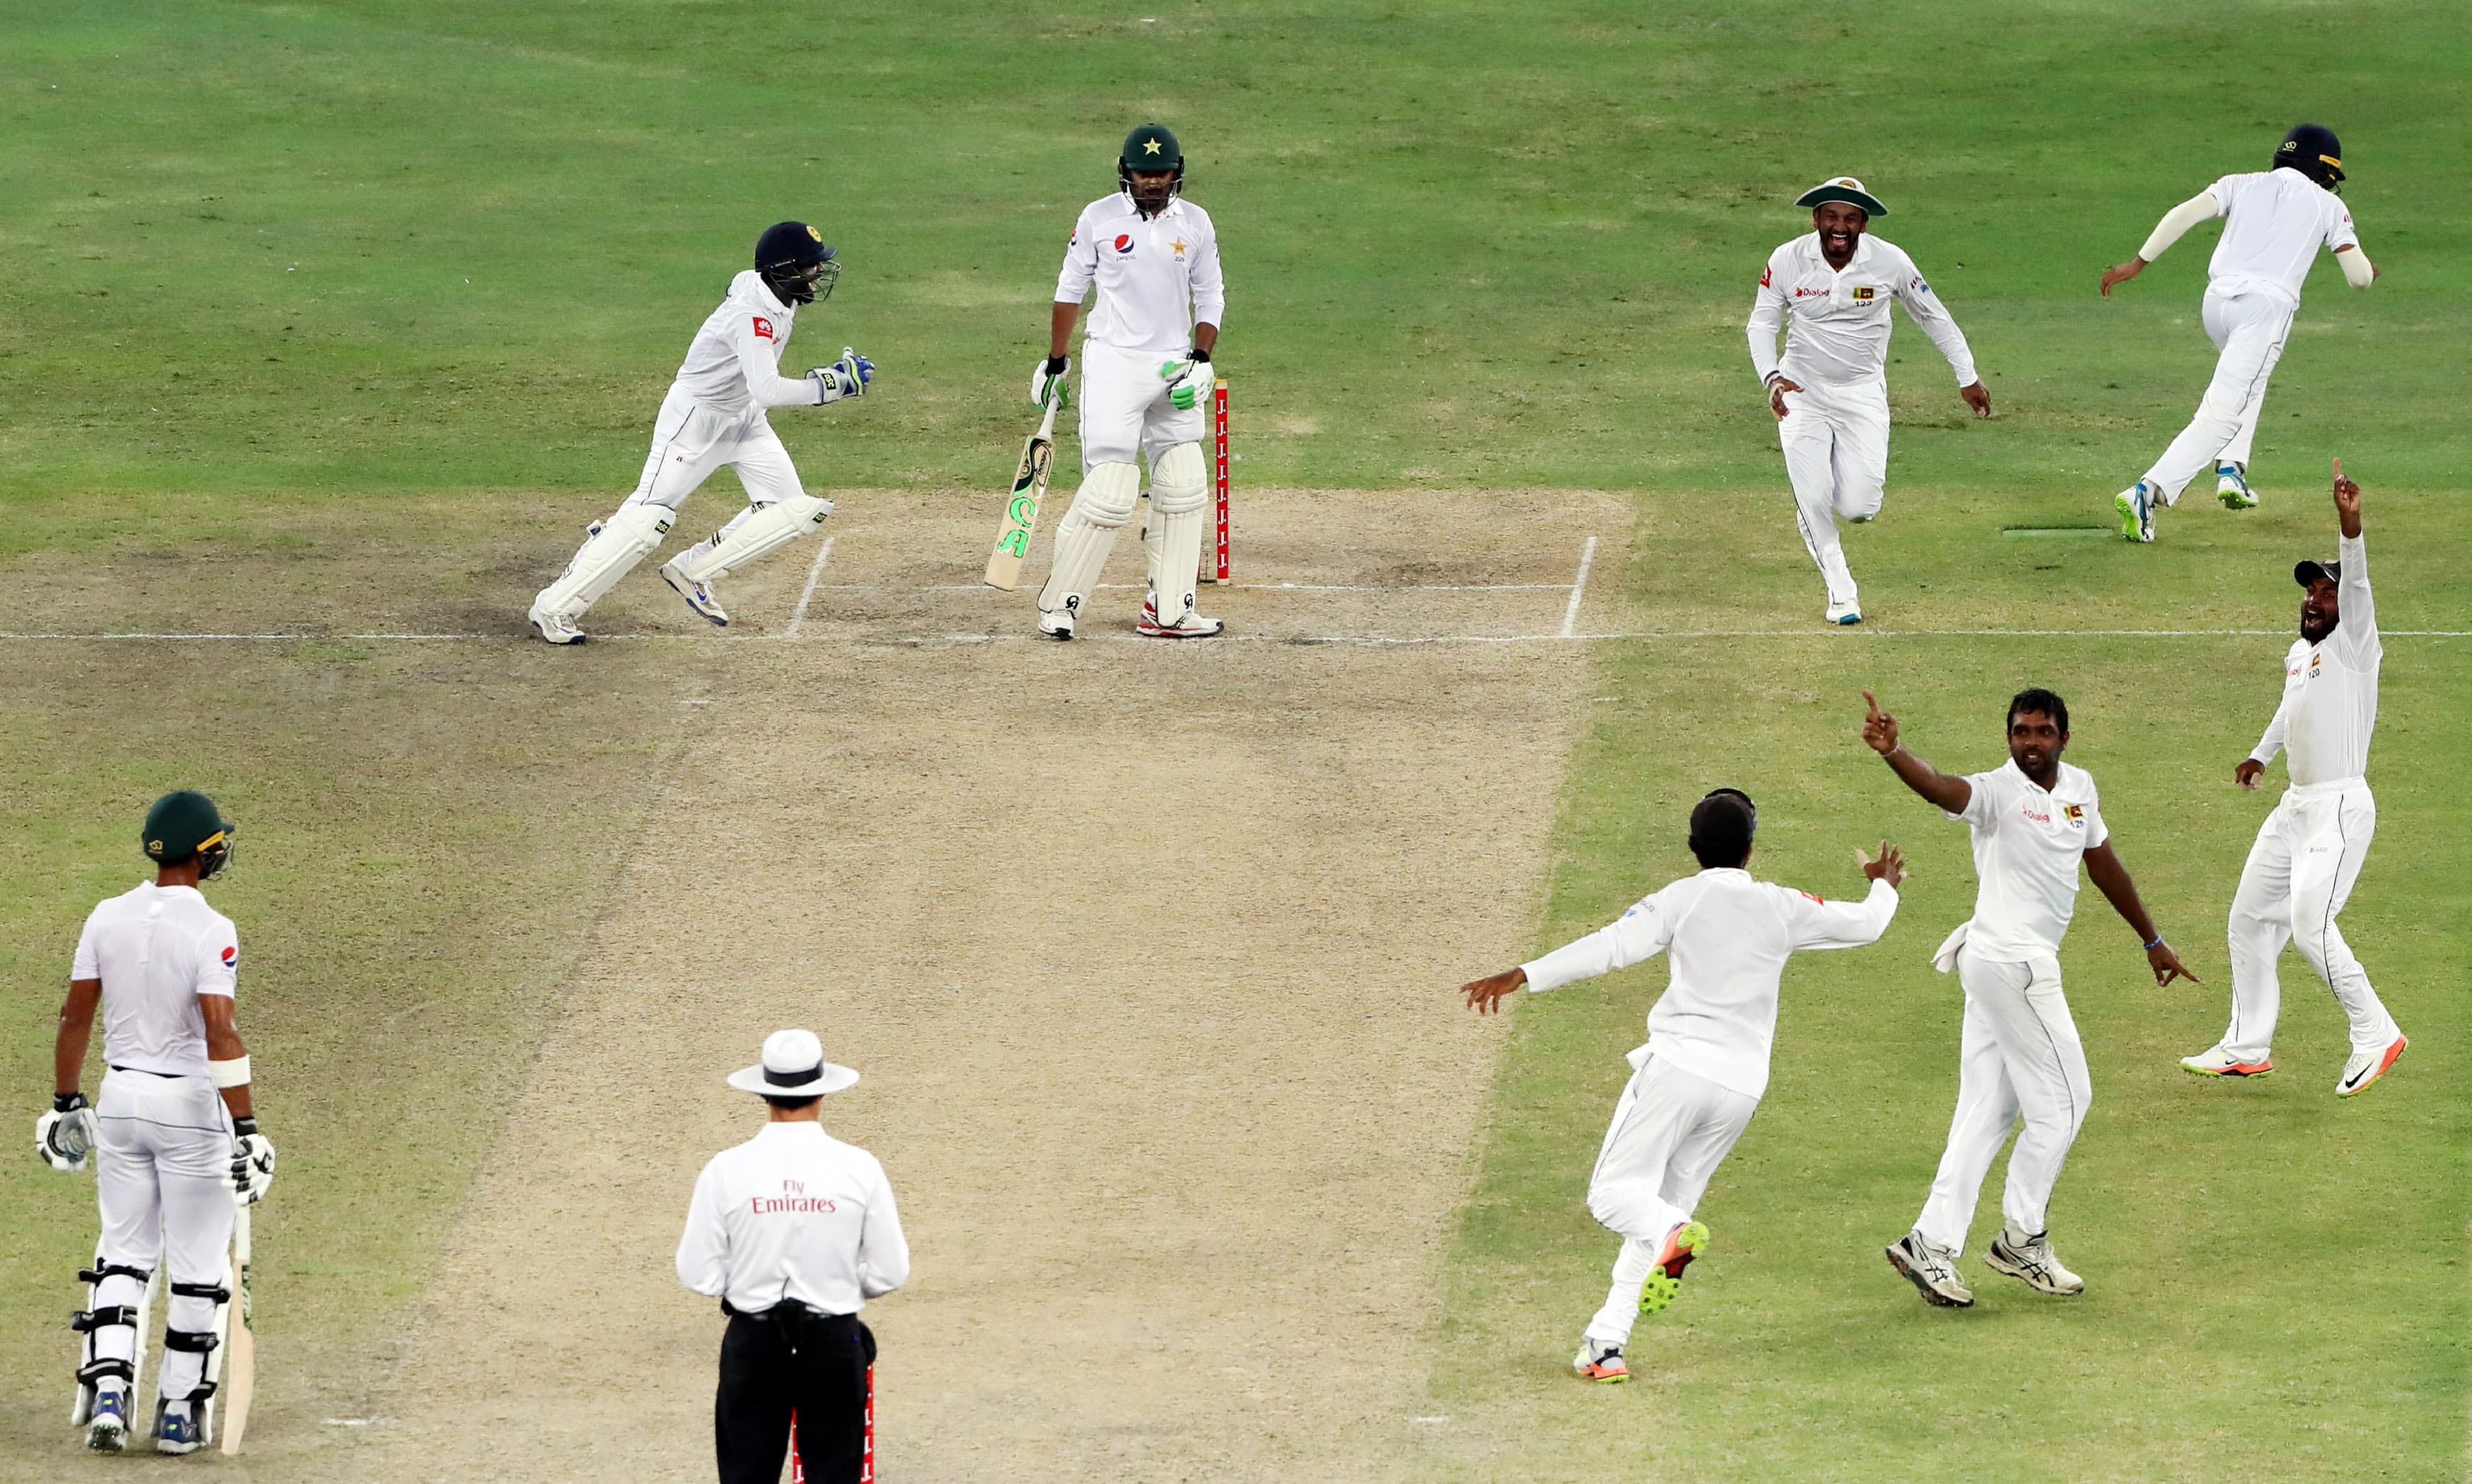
(2339, 471)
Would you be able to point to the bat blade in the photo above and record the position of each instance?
(240, 1359)
(1021, 507)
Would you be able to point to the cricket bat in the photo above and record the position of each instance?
(1021, 510)
(240, 1360)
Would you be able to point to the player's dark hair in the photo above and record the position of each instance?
(791, 1104)
(2038, 699)
(1722, 827)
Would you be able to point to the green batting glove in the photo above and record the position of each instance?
(1184, 379)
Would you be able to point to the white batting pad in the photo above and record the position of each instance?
(1087, 533)
(756, 534)
(623, 540)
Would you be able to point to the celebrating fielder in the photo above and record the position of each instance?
(1145, 378)
(171, 1132)
(2275, 220)
(2032, 819)
(715, 414)
(1829, 392)
(2309, 850)
(1699, 1080)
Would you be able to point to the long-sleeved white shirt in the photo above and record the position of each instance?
(793, 1213)
(1836, 321)
(1157, 277)
(2330, 689)
(734, 364)
(1728, 935)
(156, 949)
(2028, 843)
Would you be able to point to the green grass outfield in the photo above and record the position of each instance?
(293, 283)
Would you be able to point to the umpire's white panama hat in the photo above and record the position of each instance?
(794, 1066)
(1845, 188)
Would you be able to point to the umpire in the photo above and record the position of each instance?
(794, 1230)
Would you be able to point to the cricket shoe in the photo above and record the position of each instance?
(107, 1428)
(178, 1430)
(2219, 1063)
(556, 628)
(2231, 487)
(2031, 1263)
(1192, 626)
(699, 597)
(1665, 1279)
(2136, 506)
(1930, 1269)
(1058, 625)
(2367, 1068)
(1846, 613)
(1600, 1362)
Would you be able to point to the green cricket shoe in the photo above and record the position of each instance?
(2136, 506)
(2231, 487)
(1665, 1279)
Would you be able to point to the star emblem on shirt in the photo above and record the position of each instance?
(1178, 245)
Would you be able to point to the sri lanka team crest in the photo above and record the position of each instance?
(2075, 812)
(1864, 294)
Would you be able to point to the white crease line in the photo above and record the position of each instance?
(1835, 636)
(1226, 586)
(798, 615)
(1579, 588)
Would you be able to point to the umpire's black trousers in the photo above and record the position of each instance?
(792, 1359)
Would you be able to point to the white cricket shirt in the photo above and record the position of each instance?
(2278, 219)
(2026, 847)
(734, 364)
(1156, 278)
(1837, 322)
(1728, 935)
(156, 949)
(793, 1213)
(2330, 689)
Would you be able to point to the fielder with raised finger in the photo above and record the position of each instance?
(1145, 378)
(715, 414)
(1697, 1081)
(1830, 291)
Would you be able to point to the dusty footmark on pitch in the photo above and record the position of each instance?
(1144, 952)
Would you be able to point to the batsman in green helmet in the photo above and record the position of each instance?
(1146, 379)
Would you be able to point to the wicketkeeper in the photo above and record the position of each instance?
(170, 1134)
(1146, 378)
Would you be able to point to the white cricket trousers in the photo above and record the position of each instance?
(1125, 411)
(2019, 1056)
(163, 1150)
(2248, 325)
(1669, 1133)
(2299, 873)
(1836, 441)
(691, 440)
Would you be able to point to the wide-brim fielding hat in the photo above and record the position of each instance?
(1845, 188)
(2307, 572)
(794, 1066)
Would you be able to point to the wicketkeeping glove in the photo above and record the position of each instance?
(1049, 381)
(847, 376)
(1186, 379)
(66, 1135)
(252, 1162)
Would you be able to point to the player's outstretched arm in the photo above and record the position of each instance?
(2201, 207)
(2111, 879)
(1880, 734)
(1485, 996)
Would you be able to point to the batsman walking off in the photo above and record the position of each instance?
(1829, 392)
(2275, 220)
(171, 1132)
(2309, 850)
(715, 413)
(1697, 1081)
(1146, 378)
(2032, 819)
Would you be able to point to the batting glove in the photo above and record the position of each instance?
(1048, 381)
(1185, 380)
(64, 1135)
(252, 1162)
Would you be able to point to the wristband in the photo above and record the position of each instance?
(2156, 944)
(67, 1102)
(1056, 365)
(233, 1073)
(1202, 356)
(245, 1127)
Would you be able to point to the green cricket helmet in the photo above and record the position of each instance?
(1151, 149)
(186, 823)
